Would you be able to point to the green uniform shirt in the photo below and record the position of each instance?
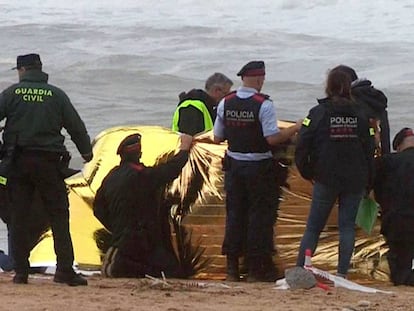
(36, 112)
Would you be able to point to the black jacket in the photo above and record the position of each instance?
(393, 189)
(374, 104)
(191, 120)
(335, 146)
(129, 200)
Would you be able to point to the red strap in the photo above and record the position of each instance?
(138, 167)
(259, 97)
(131, 148)
(408, 132)
(254, 72)
(230, 95)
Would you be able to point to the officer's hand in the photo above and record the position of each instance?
(186, 141)
(87, 157)
(298, 125)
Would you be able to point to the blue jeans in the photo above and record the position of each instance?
(323, 200)
(6, 261)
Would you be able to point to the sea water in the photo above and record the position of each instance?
(125, 62)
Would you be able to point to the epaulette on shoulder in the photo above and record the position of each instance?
(230, 95)
(260, 97)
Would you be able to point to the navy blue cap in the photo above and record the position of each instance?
(253, 68)
(28, 60)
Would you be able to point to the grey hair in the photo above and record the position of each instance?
(217, 79)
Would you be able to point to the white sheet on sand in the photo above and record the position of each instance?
(338, 282)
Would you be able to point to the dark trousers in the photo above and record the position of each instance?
(39, 173)
(136, 262)
(400, 258)
(116, 265)
(398, 230)
(251, 207)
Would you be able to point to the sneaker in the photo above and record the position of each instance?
(71, 278)
(20, 278)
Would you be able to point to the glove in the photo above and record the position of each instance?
(87, 157)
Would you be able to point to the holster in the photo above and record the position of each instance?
(226, 162)
(7, 156)
(64, 168)
(281, 167)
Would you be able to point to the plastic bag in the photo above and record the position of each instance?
(367, 214)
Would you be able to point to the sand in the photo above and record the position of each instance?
(145, 294)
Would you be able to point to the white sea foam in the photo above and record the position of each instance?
(140, 55)
(124, 62)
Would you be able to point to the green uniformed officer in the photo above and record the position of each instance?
(35, 113)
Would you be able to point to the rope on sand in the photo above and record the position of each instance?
(296, 195)
(192, 284)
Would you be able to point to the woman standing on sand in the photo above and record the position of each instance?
(335, 149)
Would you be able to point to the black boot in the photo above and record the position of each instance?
(255, 272)
(410, 280)
(395, 274)
(233, 274)
(69, 277)
(270, 272)
(262, 269)
(244, 266)
(20, 278)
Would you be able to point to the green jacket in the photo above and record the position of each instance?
(36, 112)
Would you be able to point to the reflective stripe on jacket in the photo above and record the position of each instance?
(208, 122)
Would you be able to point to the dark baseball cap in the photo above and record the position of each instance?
(131, 143)
(399, 137)
(27, 60)
(252, 69)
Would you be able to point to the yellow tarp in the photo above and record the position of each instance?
(156, 141)
(207, 216)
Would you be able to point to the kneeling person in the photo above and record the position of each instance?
(394, 184)
(128, 204)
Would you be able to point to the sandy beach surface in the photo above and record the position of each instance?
(209, 291)
(181, 295)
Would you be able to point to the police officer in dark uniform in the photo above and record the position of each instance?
(374, 103)
(35, 113)
(128, 204)
(335, 149)
(247, 120)
(393, 189)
